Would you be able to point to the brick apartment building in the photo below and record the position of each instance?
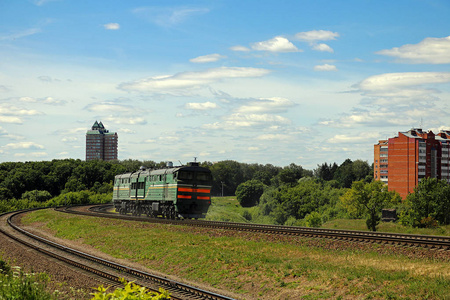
(403, 161)
(100, 143)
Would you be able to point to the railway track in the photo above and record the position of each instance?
(408, 240)
(111, 272)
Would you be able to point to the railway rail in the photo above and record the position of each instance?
(409, 240)
(111, 271)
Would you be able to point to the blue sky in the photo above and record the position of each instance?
(277, 82)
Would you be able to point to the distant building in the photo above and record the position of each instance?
(403, 161)
(100, 143)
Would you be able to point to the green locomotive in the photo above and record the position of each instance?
(173, 192)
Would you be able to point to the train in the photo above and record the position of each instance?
(181, 192)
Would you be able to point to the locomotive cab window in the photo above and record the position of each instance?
(203, 176)
(183, 175)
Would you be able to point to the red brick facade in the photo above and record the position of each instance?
(404, 160)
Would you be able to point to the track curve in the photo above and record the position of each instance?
(112, 272)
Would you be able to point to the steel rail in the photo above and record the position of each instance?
(182, 291)
(427, 241)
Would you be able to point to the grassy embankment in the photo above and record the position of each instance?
(259, 266)
(228, 209)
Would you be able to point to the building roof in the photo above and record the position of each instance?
(97, 128)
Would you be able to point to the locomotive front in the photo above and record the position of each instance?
(193, 191)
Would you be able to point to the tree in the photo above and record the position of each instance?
(350, 171)
(431, 199)
(249, 192)
(228, 175)
(325, 171)
(36, 195)
(369, 199)
(344, 174)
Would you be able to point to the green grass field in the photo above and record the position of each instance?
(257, 266)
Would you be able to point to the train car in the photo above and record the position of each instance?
(173, 192)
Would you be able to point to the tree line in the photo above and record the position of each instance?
(289, 195)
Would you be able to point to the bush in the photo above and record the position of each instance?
(429, 222)
(130, 291)
(313, 219)
(18, 285)
(247, 215)
(36, 195)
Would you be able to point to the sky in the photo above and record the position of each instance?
(268, 82)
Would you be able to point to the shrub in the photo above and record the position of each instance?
(18, 285)
(313, 219)
(247, 215)
(130, 291)
(429, 222)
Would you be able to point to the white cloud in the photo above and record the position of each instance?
(109, 107)
(169, 16)
(178, 83)
(126, 130)
(267, 105)
(24, 145)
(126, 120)
(201, 106)
(53, 101)
(316, 35)
(32, 154)
(20, 34)
(239, 48)
(428, 51)
(17, 111)
(377, 118)
(207, 58)
(323, 48)
(277, 44)
(42, 2)
(325, 67)
(240, 120)
(399, 82)
(365, 137)
(28, 99)
(112, 26)
(69, 139)
(47, 100)
(273, 137)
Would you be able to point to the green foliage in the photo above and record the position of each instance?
(350, 171)
(249, 192)
(313, 219)
(369, 199)
(429, 205)
(39, 196)
(298, 200)
(4, 267)
(229, 174)
(131, 291)
(15, 284)
(247, 215)
(325, 171)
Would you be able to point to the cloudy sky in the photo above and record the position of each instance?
(277, 82)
